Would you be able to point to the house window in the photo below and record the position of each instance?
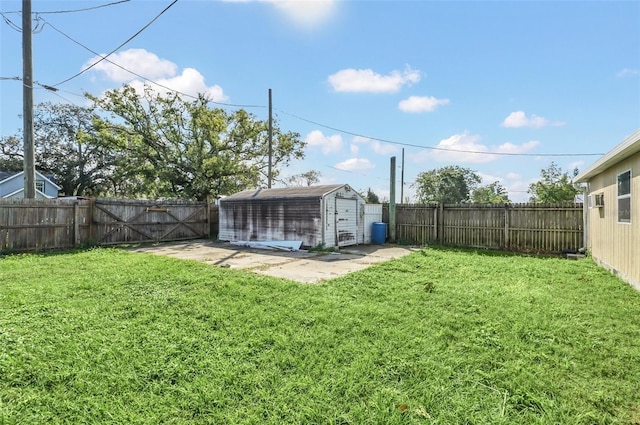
(40, 185)
(624, 197)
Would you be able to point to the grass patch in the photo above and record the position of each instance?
(441, 336)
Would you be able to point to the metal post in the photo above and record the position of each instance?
(402, 179)
(27, 104)
(392, 202)
(269, 177)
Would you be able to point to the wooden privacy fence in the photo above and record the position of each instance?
(543, 228)
(32, 224)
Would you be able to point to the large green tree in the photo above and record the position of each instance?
(66, 145)
(185, 149)
(69, 147)
(371, 197)
(308, 178)
(493, 193)
(554, 186)
(447, 185)
(11, 158)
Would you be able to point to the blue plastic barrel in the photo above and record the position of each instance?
(378, 233)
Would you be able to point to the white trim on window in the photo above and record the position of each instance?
(623, 191)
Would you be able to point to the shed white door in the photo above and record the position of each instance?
(346, 221)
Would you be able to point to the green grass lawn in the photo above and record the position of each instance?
(438, 337)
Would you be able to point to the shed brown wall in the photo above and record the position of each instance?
(272, 220)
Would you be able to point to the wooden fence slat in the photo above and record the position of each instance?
(31, 224)
(542, 228)
(54, 223)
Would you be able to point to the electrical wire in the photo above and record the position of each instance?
(75, 10)
(120, 46)
(35, 30)
(65, 99)
(392, 142)
(10, 23)
(86, 8)
(146, 78)
(53, 89)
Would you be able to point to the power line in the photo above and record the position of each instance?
(85, 9)
(64, 98)
(146, 78)
(38, 28)
(10, 23)
(120, 46)
(52, 88)
(393, 142)
(320, 124)
(75, 10)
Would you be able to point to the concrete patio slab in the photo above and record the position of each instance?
(300, 266)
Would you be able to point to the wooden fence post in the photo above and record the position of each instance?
(90, 214)
(208, 216)
(435, 223)
(506, 226)
(76, 224)
(441, 223)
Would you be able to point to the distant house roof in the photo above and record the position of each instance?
(286, 192)
(21, 190)
(4, 175)
(628, 147)
(8, 175)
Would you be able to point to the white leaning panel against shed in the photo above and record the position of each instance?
(325, 216)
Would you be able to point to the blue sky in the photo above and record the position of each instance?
(533, 78)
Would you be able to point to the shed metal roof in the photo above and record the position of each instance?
(625, 149)
(285, 192)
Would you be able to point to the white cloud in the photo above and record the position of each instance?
(305, 13)
(190, 82)
(519, 119)
(329, 144)
(160, 71)
(383, 148)
(140, 61)
(353, 164)
(354, 148)
(376, 146)
(465, 147)
(513, 176)
(488, 178)
(576, 164)
(515, 149)
(628, 72)
(361, 139)
(365, 80)
(417, 104)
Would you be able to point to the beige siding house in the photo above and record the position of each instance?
(612, 209)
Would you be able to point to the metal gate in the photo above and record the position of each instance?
(346, 221)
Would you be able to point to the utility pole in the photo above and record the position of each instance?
(392, 201)
(269, 176)
(27, 104)
(402, 179)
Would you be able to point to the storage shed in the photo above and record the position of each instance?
(328, 215)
